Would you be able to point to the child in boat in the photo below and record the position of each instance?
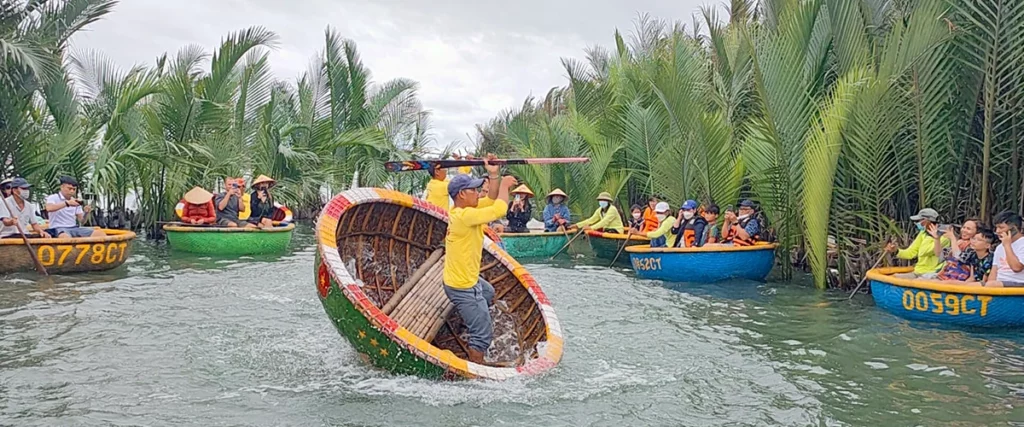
(712, 234)
(975, 263)
(688, 229)
(662, 236)
(636, 221)
(605, 218)
(470, 294)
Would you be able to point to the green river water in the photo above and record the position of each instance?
(174, 339)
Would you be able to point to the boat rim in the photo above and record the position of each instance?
(618, 236)
(645, 249)
(884, 275)
(187, 229)
(112, 236)
(533, 234)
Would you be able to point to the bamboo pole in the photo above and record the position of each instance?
(412, 281)
(414, 290)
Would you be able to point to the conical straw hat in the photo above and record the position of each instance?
(523, 189)
(198, 196)
(557, 192)
(263, 178)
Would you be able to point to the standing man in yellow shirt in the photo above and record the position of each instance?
(437, 188)
(469, 293)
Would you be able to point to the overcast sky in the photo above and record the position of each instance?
(472, 59)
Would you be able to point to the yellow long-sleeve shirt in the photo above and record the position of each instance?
(464, 243)
(665, 228)
(610, 220)
(437, 193)
(923, 248)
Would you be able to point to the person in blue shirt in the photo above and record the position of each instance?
(556, 213)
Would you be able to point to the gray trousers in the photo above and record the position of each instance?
(472, 305)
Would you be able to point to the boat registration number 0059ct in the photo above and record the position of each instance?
(647, 264)
(99, 253)
(943, 303)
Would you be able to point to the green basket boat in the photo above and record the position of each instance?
(606, 245)
(229, 241)
(533, 245)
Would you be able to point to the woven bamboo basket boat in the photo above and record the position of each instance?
(229, 241)
(606, 245)
(533, 245)
(378, 270)
(71, 255)
(946, 302)
(706, 264)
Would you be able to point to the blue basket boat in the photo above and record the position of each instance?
(945, 302)
(707, 264)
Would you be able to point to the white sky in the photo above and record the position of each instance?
(472, 59)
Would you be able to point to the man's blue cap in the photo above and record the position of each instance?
(747, 203)
(690, 205)
(20, 183)
(462, 182)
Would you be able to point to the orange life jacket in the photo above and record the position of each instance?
(651, 221)
(732, 234)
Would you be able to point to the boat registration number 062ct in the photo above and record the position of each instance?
(949, 304)
(647, 264)
(59, 255)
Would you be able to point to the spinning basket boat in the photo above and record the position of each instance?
(378, 269)
(229, 241)
(606, 245)
(707, 264)
(70, 255)
(533, 245)
(944, 302)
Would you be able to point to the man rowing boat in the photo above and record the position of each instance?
(469, 293)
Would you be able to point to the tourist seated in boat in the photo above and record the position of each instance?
(741, 228)
(923, 247)
(198, 207)
(712, 234)
(959, 243)
(469, 293)
(636, 219)
(437, 187)
(974, 263)
(688, 229)
(24, 212)
(650, 217)
(229, 203)
(605, 218)
(66, 212)
(261, 203)
(1008, 260)
(662, 236)
(5, 187)
(556, 213)
(520, 212)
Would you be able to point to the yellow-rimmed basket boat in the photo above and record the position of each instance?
(68, 255)
(379, 271)
(229, 241)
(946, 302)
(606, 245)
(706, 264)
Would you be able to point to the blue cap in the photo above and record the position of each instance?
(461, 182)
(747, 203)
(20, 183)
(690, 205)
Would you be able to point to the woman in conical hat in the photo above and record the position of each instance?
(521, 211)
(605, 218)
(556, 213)
(197, 207)
(261, 203)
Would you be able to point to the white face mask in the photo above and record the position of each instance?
(743, 216)
(556, 199)
(687, 214)
(661, 217)
(636, 216)
(24, 194)
(603, 204)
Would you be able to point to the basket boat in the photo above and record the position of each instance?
(944, 302)
(229, 241)
(378, 268)
(606, 245)
(706, 264)
(68, 255)
(533, 245)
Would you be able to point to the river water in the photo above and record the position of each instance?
(172, 339)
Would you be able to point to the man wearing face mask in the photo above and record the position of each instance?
(556, 213)
(689, 227)
(520, 212)
(605, 218)
(928, 264)
(24, 212)
(742, 229)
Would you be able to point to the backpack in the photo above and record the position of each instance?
(765, 233)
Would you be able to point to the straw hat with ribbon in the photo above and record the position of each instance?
(523, 189)
(198, 196)
(264, 179)
(606, 196)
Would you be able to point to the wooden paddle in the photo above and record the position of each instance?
(578, 234)
(24, 238)
(415, 165)
(863, 279)
(566, 233)
(624, 243)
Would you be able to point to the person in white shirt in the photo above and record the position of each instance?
(24, 212)
(1008, 262)
(66, 212)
